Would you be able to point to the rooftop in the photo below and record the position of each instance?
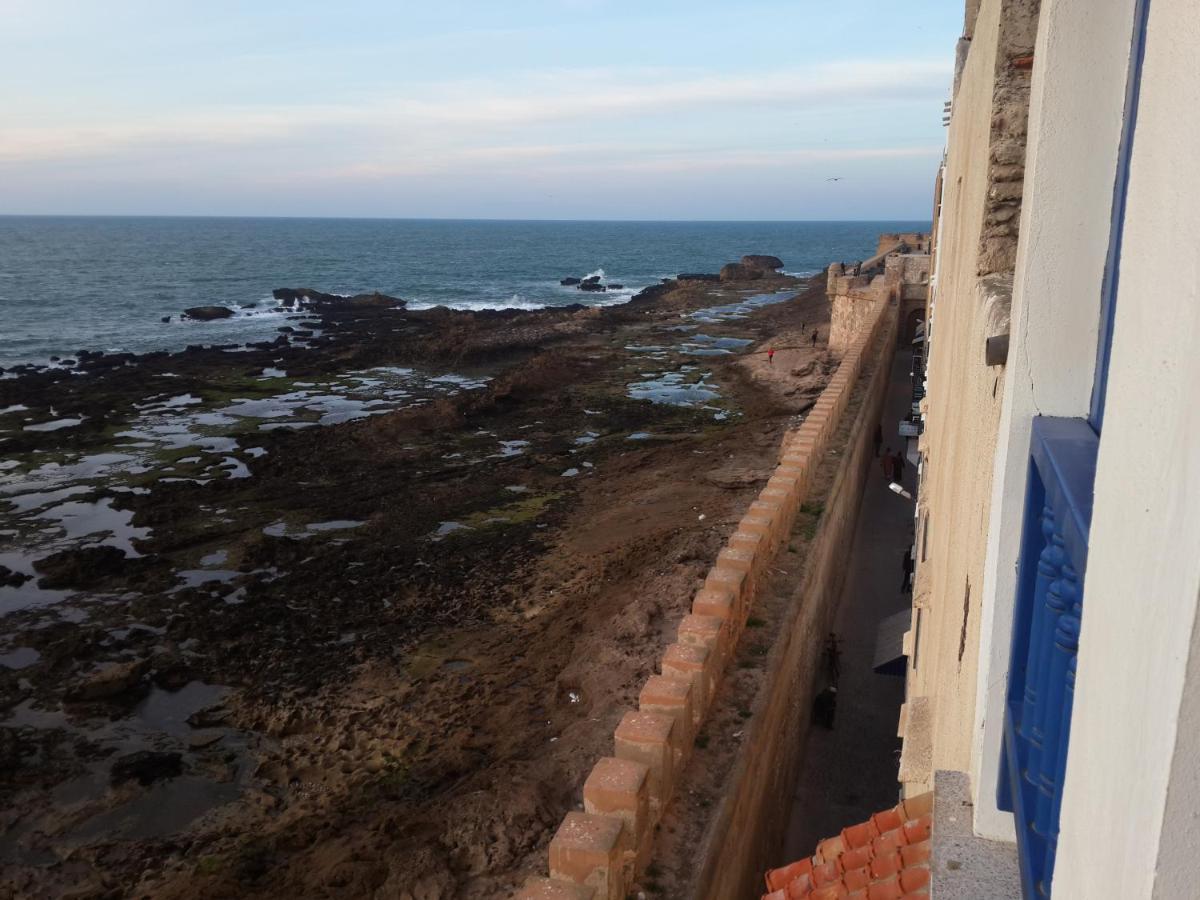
(884, 858)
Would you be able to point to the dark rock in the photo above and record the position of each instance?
(303, 295)
(11, 578)
(208, 313)
(203, 739)
(209, 717)
(311, 297)
(146, 766)
(286, 329)
(568, 282)
(375, 299)
(591, 279)
(110, 681)
(697, 276)
(592, 287)
(739, 272)
(166, 319)
(80, 567)
(616, 287)
(766, 263)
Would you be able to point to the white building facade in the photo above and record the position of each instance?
(1078, 719)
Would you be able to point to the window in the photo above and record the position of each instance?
(1046, 625)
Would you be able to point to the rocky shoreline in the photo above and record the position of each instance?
(279, 615)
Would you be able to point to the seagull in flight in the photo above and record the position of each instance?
(838, 178)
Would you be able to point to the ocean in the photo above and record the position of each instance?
(106, 283)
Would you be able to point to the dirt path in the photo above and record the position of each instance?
(414, 705)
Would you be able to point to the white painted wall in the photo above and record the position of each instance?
(1074, 131)
(1129, 821)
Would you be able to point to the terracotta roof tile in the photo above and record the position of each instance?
(883, 858)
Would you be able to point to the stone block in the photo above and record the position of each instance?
(763, 526)
(650, 738)
(710, 632)
(723, 578)
(538, 888)
(671, 697)
(718, 602)
(746, 540)
(737, 558)
(586, 849)
(785, 498)
(621, 787)
(696, 662)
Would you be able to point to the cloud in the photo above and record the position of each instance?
(472, 120)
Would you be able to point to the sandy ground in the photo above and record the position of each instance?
(434, 754)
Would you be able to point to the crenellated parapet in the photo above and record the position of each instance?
(600, 851)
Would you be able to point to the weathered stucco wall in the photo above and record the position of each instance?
(962, 415)
(1074, 130)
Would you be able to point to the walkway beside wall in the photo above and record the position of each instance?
(850, 772)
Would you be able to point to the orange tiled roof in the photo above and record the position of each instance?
(883, 858)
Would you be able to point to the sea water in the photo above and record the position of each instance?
(106, 283)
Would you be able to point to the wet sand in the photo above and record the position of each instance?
(369, 603)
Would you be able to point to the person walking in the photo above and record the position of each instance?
(814, 338)
(770, 356)
(898, 467)
(886, 463)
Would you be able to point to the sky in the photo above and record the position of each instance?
(556, 109)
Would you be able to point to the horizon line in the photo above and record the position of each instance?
(680, 221)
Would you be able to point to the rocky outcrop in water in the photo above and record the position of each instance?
(569, 282)
(759, 261)
(207, 313)
(740, 272)
(697, 276)
(312, 297)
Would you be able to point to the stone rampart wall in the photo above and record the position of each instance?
(596, 854)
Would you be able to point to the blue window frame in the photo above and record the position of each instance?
(1116, 233)
(1046, 626)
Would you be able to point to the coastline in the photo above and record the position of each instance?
(353, 658)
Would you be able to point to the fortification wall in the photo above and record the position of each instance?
(744, 837)
(855, 297)
(598, 852)
(917, 241)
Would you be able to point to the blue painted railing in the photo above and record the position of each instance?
(1046, 626)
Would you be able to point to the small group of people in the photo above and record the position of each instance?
(771, 350)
